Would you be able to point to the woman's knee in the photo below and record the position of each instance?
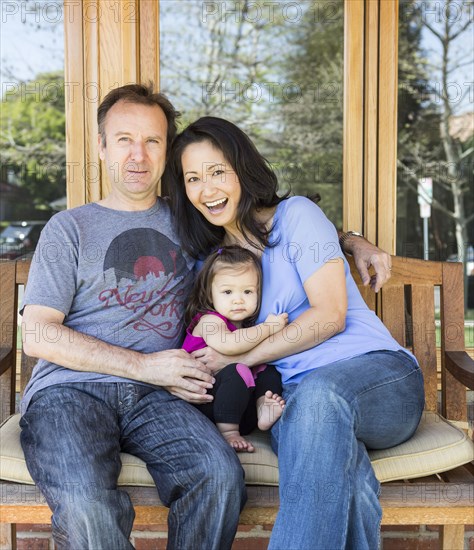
(314, 395)
(315, 410)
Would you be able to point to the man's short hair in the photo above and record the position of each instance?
(138, 94)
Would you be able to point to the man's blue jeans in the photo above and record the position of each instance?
(328, 490)
(72, 436)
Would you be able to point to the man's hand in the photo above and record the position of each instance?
(366, 255)
(176, 371)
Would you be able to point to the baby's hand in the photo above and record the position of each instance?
(277, 322)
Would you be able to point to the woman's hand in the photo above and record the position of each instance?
(365, 255)
(327, 296)
(214, 360)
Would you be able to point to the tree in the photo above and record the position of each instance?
(223, 61)
(313, 114)
(232, 64)
(430, 147)
(454, 178)
(418, 123)
(32, 137)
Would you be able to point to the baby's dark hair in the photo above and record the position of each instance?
(200, 300)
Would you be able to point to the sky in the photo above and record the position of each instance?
(30, 42)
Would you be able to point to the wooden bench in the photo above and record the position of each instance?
(407, 307)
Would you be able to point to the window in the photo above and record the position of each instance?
(273, 68)
(32, 140)
(436, 133)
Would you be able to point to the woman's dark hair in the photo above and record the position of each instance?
(200, 300)
(258, 185)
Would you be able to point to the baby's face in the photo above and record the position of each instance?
(235, 292)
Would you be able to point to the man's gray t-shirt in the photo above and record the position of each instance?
(118, 276)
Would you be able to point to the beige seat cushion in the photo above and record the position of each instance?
(437, 446)
(261, 467)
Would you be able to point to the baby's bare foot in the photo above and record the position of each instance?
(239, 443)
(269, 409)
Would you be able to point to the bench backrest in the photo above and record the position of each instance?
(406, 305)
(423, 307)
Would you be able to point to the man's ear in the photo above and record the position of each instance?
(101, 147)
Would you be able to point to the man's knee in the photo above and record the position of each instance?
(91, 509)
(227, 488)
(226, 476)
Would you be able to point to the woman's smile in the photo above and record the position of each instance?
(218, 206)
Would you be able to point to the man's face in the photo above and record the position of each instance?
(135, 149)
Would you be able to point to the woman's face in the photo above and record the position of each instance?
(211, 184)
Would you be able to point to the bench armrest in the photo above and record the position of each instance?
(461, 366)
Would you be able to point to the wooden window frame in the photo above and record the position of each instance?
(370, 119)
(108, 43)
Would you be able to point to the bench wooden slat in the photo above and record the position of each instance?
(452, 307)
(458, 475)
(370, 298)
(7, 303)
(424, 340)
(453, 398)
(415, 272)
(27, 365)
(6, 358)
(22, 270)
(451, 536)
(393, 312)
(425, 515)
(403, 504)
(155, 515)
(7, 337)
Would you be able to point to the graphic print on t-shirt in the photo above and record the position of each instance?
(142, 271)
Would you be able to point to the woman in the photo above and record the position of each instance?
(347, 384)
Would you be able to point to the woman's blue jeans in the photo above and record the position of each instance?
(328, 490)
(72, 436)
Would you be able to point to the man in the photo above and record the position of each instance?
(107, 288)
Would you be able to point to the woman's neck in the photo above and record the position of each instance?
(233, 236)
(237, 238)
